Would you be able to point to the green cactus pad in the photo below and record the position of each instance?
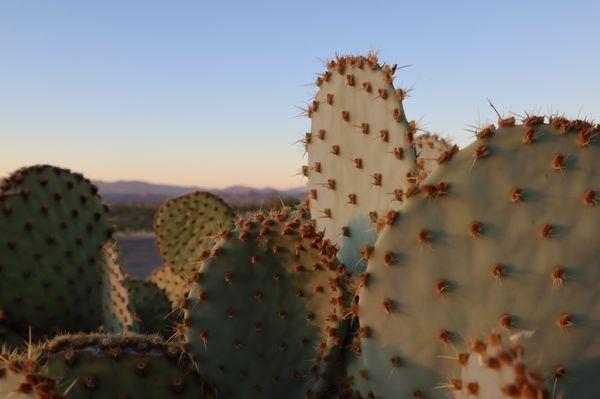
(184, 227)
(130, 366)
(264, 313)
(172, 284)
(503, 235)
(152, 307)
(116, 304)
(52, 226)
(361, 162)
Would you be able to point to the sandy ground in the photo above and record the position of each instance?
(139, 255)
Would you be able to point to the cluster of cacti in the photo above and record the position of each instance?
(407, 252)
(502, 234)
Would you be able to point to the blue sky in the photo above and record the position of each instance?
(204, 93)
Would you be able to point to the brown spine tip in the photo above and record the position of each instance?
(516, 195)
(389, 259)
(498, 271)
(590, 198)
(444, 336)
(547, 231)
(384, 135)
(364, 127)
(558, 162)
(441, 287)
(506, 320)
(558, 276)
(346, 116)
(529, 136)
(377, 177)
(475, 229)
(350, 79)
(424, 237)
(387, 306)
(565, 321)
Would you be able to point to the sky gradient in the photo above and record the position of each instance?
(200, 93)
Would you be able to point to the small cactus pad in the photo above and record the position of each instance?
(264, 313)
(361, 162)
(117, 310)
(494, 369)
(52, 226)
(130, 366)
(152, 307)
(172, 284)
(429, 148)
(503, 235)
(185, 226)
(21, 379)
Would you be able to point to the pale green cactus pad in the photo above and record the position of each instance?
(361, 162)
(503, 235)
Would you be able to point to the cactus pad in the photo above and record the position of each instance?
(184, 227)
(172, 284)
(52, 226)
(152, 307)
(264, 313)
(361, 162)
(131, 366)
(116, 304)
(503, 235)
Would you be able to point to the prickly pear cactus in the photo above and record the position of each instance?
(264, 313)
(117, 311)
(130, 366)
(152, 307)
(361, 162)
(429, 148)
(503, 235)
(52, 226)
(494, 369)
(172, 284)
(185, 226)
(21, 379)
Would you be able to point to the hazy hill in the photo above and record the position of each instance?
(143, 193)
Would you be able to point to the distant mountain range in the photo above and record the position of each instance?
(139, 192)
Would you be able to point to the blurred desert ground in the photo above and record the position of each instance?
(139, 254)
